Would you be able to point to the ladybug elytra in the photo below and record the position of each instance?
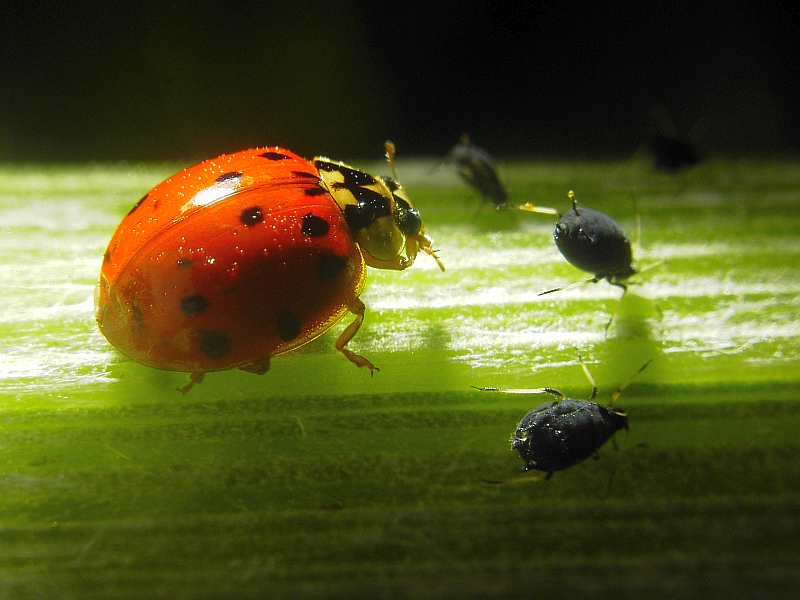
(250, 255)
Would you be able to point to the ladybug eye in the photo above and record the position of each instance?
(408, 219)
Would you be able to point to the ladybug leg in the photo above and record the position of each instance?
(356, 307)
(259, 367)
(426, 245)
(194, 378)
(399, 263)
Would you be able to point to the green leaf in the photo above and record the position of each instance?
(319, 480)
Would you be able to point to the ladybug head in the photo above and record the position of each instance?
(387, 228)
(406, 221)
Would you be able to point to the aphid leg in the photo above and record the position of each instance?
(618, 391)
(480, 207)
(638, 241)
(194, 379)
(356, 307)
(570, 286)
(658, 263)
(615, 312)
(588, 376)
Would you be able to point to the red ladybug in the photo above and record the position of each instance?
(250, 255)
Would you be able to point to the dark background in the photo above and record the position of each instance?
(132, 81)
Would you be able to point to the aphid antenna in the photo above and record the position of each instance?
(618, 391)
(588, 376)
(538, 209)
(561, 396)
(571, 196)
(529, 207)
(570, 286)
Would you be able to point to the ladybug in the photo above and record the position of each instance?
(248, 256)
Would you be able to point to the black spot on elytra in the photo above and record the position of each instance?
(315, 226)
(229, 176)
(139, 203)
(288, 325)
(251, 216)
(106, 256)
(194, 305)
(137, 314)
(330, 265)
(184, 262)
(273, 156)
(304, 175)
(214, 344)
(315, 191)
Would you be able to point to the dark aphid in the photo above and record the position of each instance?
(671, 151)
(479, 170)
(672, 154)
(594, 242)
(562, 433)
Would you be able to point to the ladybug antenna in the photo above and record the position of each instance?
(389, 145)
